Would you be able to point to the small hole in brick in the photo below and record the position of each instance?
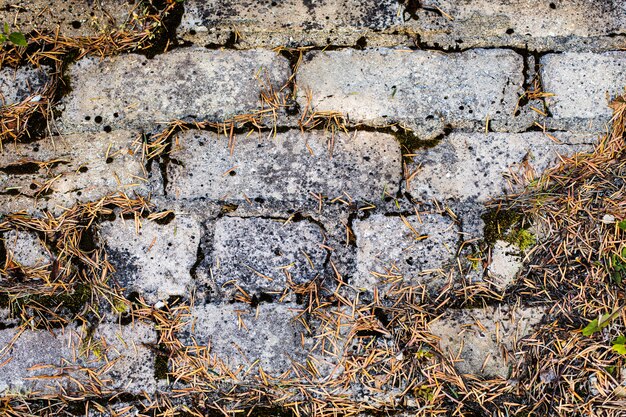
(552, 6)
(510, 31)
(192, 32)
(232, 173)
(116, 115)
(107, 129)
(76, 24)
(33, 186)
(87, 118)
(98, 119)
(109, 160)
(83, 169)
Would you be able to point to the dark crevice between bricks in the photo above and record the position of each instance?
(165, 36)
(230, 43)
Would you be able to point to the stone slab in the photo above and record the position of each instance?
(156, 260)
(482, 340)
(286, 169)
(26, 249)
(78, 168)
(583, 85)
(241, 338)
(132, 91)
(18, 84)
(542, 26)
(505, 264)
(388, 248)
(424, 90)
(479, 166)
(286, 22)
(71, 18)
(37, 362)
(255, 253)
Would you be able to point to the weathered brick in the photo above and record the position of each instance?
(26, 249)
(583, 85)
(156, 260)
(291, 22)
(423, 90)
(41, 362)
(79, 168)
(255, 254)
(482, 340)
(72, 18)
(17, 84)
(133, 91)
(543, 26)
(288, 168)
(479, 166)
(413, 248)
(267, 338)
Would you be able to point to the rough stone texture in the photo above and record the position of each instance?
(536, 25)
(79, 168)
(128, 349)
(28, 358)
(269, 337)
(255, 254)
(17, 84)
(288, 168)
(424, 90)
(506, 262)
(583, 85)
(26, 249)
(389, 248)
(133, 91)
(287, 22)
(71, 18)
(479, 166)
(157, 260)
(483, 339)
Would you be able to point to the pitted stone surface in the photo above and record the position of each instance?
(256, 254)
(131, 91)
(240, 338)
(532, 24)
(77, 168)
(583, 85)
(156, 260)
(479, 166)
(288, 168)
(506, 262)
(71, 18)
(413, 248)
(17, 84)
(424, 90)
(26, 249)
(482, 340)
(290, 22)
(20, 355)
(130, 351)
(37, 361)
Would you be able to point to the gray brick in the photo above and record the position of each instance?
(583, 84)
(484, 338)
(424, 90)
(543, 26)
(26, 249)
(81, 167)
(133, 91)
(478, 166)
(290, 22)
(388, 248)
(71, 18)
(32, 360)
(156, 260)
(269, 337)
(287, 168)
(256, 253)
(17, 84)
